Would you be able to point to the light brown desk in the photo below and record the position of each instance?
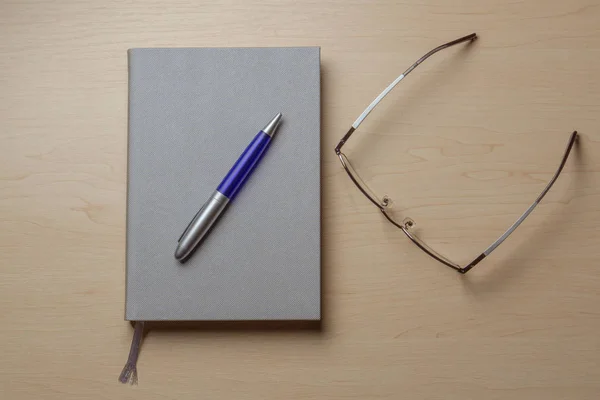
(476, 132)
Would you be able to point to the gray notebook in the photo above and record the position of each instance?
(192, 111)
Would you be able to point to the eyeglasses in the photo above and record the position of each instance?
(407, 225)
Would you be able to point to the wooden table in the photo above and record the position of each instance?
(463, 145)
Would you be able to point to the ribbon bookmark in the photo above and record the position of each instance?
(129, 373)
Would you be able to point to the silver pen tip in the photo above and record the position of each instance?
(272, 126)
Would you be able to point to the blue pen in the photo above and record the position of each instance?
(226, 191)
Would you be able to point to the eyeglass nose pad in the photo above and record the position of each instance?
(408, 223)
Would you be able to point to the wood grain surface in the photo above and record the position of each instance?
(463, 146)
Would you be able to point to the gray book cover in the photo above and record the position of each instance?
(192, 112)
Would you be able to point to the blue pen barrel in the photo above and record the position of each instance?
(229, 187)
(237, 175)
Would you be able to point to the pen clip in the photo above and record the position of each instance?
(187, 228)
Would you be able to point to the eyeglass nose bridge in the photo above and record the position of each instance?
(387, 203)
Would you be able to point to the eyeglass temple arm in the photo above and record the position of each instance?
(416, 240)
(518, 222)
(338, 148)
(392, 85)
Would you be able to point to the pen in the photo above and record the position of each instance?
(226, 191)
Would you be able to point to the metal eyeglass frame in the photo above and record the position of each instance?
(407, 224)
